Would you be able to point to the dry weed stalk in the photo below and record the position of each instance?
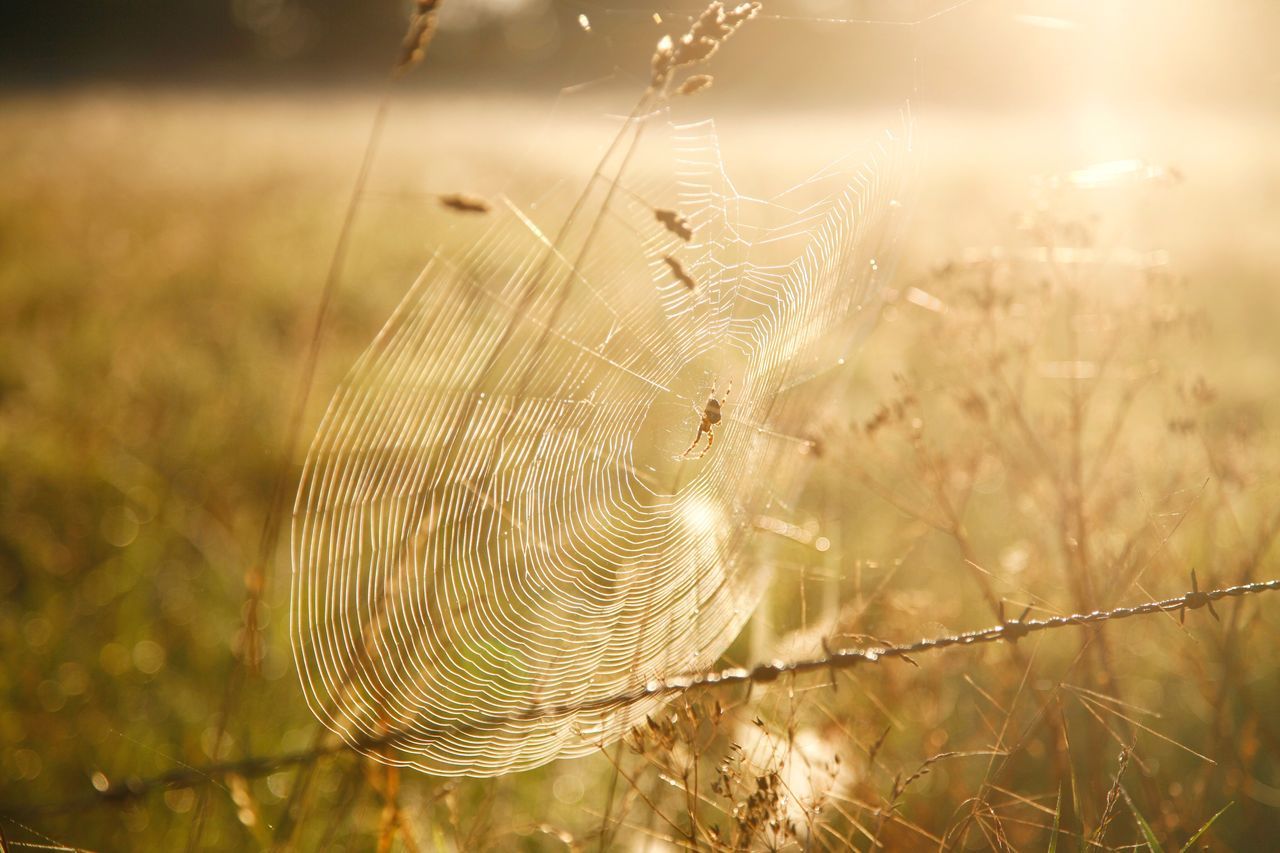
(1113, 797)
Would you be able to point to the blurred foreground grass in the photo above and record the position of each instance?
(160, 260)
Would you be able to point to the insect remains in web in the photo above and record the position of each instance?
(675, 223)
(678, 270)
(710, 417)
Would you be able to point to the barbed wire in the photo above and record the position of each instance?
(1008, 630)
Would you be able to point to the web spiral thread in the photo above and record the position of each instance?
(496, 529)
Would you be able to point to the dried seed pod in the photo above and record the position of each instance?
(465, 203)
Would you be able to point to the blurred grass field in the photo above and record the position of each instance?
(161, 256)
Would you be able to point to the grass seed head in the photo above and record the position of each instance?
(711, 29)
(695, 84)
(422, 27)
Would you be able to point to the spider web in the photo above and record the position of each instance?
(496, 534)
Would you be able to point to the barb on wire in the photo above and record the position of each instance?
(1010, 630)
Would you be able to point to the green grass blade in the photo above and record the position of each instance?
(1057, 816)
(1202, 830)
(1147, 834)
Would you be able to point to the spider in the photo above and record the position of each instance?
(710, 417)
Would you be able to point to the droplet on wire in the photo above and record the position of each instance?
(925, 300)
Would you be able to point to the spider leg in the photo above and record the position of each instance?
(696, 439)
(711, 439)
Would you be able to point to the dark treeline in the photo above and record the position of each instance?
(853, 51)
(482, 43)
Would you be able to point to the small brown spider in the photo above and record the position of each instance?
(710, 417)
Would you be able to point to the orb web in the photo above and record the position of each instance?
(497, 538)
